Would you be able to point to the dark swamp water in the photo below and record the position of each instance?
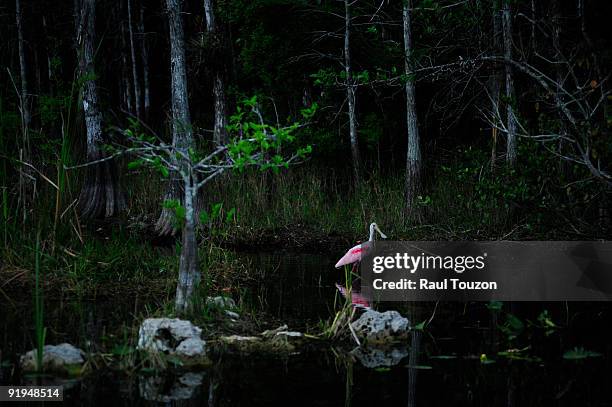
(464, 357)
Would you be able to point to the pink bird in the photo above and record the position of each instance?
(353, 256)
(354, 253)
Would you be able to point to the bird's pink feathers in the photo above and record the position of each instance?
(357, 299)
(353, 255)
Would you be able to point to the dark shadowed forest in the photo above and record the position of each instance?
(168, 155)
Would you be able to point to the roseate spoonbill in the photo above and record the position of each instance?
(354, 253)
(353, 256)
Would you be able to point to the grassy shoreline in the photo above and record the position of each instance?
(308, 209)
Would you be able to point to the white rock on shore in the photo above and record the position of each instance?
(60, 358)
(172, 337)
(380, 327)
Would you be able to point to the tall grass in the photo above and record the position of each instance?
(40, 329)
(64, 158)
(3, 185)
(5, 214)
(460, 201)
(323, 202)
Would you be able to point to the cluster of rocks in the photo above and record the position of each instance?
(182, 340)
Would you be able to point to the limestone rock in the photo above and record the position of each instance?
(63, 359)
(232, 315)
(242, 343)
(381, 327)
(270, 333)
(221, 302)
(174, 337)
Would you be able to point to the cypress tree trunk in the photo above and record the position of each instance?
(128, 98)
(189, 272)
(558, 58)
(511, 119)
(182, 135)
(101, 195)
(220, 136)
(350, 94)
(496, 81)
(413, 360)
(145, 65)
(413, 151)
(137, 99)
(25, 96)
(48, 55)
(25, 173)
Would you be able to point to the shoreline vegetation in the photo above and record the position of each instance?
(299, 210)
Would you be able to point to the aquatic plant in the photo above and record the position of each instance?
(580, 353)
(340, 327)
(40, 329)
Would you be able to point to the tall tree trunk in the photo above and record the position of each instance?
(25, 95)
(558, 58)
(125, 76)
(137, 99)
(496, 81)
(604, 202)
(101, 194)
(413, 362)
(189, 271)
(511, 125)
(220, 136)
(413, 151)
(583, 28)
(350, 94)
(556, 40)
(182, 135)
(48, 54)
(145, 65)
(533, 26)
(25, 173)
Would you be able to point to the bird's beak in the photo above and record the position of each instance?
(381, 233)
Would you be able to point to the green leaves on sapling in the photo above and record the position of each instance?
(179, 210)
